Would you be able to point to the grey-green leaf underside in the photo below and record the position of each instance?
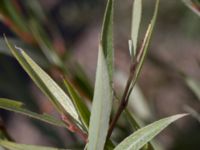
(49, 87)
(101, 107)
(138, 139)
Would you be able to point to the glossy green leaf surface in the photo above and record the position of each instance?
(138, 139)
(101, 107)
(14, 146)
(16, 106)
(49, 87)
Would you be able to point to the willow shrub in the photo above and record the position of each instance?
(94, 126)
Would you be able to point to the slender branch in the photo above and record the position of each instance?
(131, 80)
(129, 86)
(124, 100)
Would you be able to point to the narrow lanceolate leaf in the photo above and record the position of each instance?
(135, 27)
(15, 146)
(31, 51)
(107, 37)
(147, 38)
(138, 139)
(141, 54)
(101, 107)
(82, 109)
(136, 125)
(16, 106)
(49, 87)
(194, 5)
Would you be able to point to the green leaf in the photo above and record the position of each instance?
(49, 87)
(17, 107)
(101, 107)
(102, 100)
(107, 37)
(15, 146)
(138, 139)
(82, 109)
(136, 125)
(136, 20)
(144, 48)
(38, 57)
(147, 39)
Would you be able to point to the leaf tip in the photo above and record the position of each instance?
(19, 49)
(5, 38)
(176, 117)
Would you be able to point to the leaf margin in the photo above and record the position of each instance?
(139, 143)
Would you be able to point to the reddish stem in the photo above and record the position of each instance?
(124, 100)
(74, 128)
